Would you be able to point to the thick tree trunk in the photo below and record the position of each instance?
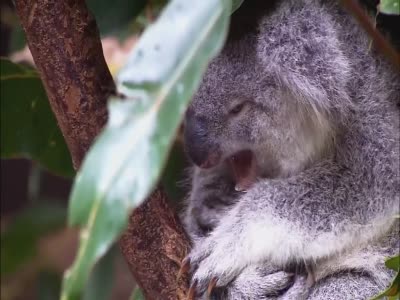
(65, 44)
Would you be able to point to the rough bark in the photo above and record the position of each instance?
(66, 48)
(144, 255)
(65, 44)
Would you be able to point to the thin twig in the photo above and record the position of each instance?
(380, 43)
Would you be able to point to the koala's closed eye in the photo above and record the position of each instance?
(237, 109)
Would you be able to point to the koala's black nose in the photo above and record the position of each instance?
(198, 145)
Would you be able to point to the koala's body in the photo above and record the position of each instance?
(298, 87)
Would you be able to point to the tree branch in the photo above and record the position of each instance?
(65, 45)
(380, 43)
(164, 251)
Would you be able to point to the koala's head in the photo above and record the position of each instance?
(276, 92)
(236, 110)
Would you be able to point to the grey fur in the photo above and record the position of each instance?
(322, 118)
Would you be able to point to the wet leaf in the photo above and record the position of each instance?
(28, 126)
(123, 166)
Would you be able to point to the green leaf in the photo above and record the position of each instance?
(137, 294)
(389, 7)
(101, 279)
(112, 18)
(393, 291)
(173, 173)
(28, 126)
(19, 241)
(236, 4)
(393, 263)
(123, 166)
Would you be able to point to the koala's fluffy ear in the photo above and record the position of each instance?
(300, 48)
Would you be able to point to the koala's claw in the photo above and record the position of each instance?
(192, 291)
(211, 286)
(185, 267)
(210, 267)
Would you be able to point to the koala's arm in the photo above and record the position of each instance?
(345, 286)
(256, 282)
(313, 215)
(211, 197)
(318, 213)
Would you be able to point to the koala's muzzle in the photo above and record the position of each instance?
(198, 145)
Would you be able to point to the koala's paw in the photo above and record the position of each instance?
(217, 264)
(258, 282)
(211, 281)
(211, 265)
(298, 291)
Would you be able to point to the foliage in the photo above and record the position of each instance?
(393, 291)
(236, 4)
(124, 164)
(102, 277)
(111, 18)
(173, 173)
(49, 285)
(137, 295)
(19, 241)
(389, 7)
(28, 126)
(124, 16)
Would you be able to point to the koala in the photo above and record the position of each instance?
(294, 139)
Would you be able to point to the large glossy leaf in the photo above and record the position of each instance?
(124, 164)
(28, 126)
(102, 278)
